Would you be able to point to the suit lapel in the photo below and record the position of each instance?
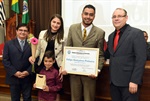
(91, 34)
(26, 46)
(17, 45)
(111, 43)
(79, 32)
(123, 37)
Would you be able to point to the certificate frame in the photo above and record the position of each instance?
(81, 60)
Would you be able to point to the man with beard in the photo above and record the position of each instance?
(93, 38)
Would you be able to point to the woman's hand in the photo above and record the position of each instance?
(60, 74)
(31, 60)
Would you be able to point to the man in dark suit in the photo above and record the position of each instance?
(94, 39)
(127, 59)
(17, 66)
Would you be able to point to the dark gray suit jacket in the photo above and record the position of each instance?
(128, 61)
(14, 59)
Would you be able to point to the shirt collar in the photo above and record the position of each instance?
(50, 69)
(123, 28)
(20, 40)
(87, 28)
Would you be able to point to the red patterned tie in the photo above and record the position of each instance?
(116, 39)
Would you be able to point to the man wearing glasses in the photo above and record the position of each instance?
(127, 50)
(18, 69)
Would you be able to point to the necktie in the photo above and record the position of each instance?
(22, 44)
(116, 39)
(84, 34)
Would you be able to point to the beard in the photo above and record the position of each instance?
(86, 23)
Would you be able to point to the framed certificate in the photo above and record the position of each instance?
(82, 61)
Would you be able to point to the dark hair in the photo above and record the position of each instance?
(22, 25)
(89, 6)
(145, 33)
(49, 54)
(60, 32)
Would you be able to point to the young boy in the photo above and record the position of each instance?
(53, 83)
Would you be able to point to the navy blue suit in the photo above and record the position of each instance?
(14, 59)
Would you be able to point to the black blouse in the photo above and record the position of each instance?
(51, 43)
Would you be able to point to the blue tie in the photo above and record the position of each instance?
(22, 44)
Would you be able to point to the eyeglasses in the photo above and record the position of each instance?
(21, 30)
(119, 16)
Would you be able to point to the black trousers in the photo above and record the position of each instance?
(23, 89)
(122, 93)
